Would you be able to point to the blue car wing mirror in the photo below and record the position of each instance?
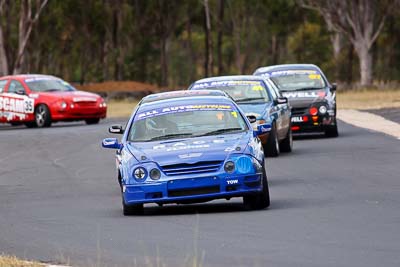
(116, 129)
(263, 129)
(111, 143)
(251, 118)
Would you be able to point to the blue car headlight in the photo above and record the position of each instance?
(140, 174)
(155, 174)
(242, 164)
(229, 167)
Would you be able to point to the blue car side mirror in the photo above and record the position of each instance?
(263, 129)
(111, 143)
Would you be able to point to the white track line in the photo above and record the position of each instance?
(369, 121)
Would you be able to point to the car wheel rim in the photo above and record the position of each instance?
(40, 116)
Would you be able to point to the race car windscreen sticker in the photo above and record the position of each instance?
(183, 108)
(207, 85)
(313, 74)
(29, 80)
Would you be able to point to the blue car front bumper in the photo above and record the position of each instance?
(185, 189)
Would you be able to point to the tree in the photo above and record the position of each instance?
(208, 63)
(3, 54)
(28, 16)
(221, 7)
(361, 21)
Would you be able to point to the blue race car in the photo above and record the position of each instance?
(188, 147)
(260, 97)
(312, 97)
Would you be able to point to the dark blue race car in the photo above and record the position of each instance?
(187, 147)
(312, 97)
(257, 96)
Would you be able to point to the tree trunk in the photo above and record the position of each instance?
(220, 35)
(104, 60)
(350, 59)
(190, 46)
(238, 53)
(116, 39)
(208, 64)
(23, 27)
(336, 40)
(3, 55)
(365, 56)
(274, 49)
(26, 22)
(164, 62)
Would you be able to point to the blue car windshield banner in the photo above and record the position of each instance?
(291, 72)
(183, 108)
(205, 85)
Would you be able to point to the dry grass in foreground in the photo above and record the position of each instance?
(355, 99)
(368, 99)
(11, 261)
(120, 109)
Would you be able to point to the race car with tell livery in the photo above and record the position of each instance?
(40, 100)
(260, 97)
(312, 97)
(188, 147)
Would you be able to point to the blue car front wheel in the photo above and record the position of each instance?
(261, 200)
(135, 209)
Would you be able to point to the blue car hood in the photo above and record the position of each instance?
(190, 150)
(257, 109)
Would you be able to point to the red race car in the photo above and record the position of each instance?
(39, 100)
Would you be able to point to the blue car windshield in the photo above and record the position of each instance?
(298, 80)
(48, 85)
(240, 91)
(185, 122)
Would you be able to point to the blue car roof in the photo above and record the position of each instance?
(286, 67)
(232, 78)
(182, 94)
(214, 97)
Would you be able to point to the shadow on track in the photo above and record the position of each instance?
(6, 127)
(187, 209)
(309, 136)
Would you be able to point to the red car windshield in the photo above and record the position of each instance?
(48, 85)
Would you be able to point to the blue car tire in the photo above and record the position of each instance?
(136, 209)
(271, 148)
(261, 200)
(287, 144)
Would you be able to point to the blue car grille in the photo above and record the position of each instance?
(195, 168)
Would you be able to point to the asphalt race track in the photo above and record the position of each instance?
(335, 202)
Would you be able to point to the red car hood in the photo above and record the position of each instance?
(73, 96)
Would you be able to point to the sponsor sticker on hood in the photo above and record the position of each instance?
(84, 99)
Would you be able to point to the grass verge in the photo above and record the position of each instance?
(120, 109)
(354, 99)
(11, 261)
(368, 99)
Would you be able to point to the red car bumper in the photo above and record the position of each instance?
(78, 112)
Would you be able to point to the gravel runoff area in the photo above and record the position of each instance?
(371, 121)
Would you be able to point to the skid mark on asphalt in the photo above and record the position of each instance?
(369, 121)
